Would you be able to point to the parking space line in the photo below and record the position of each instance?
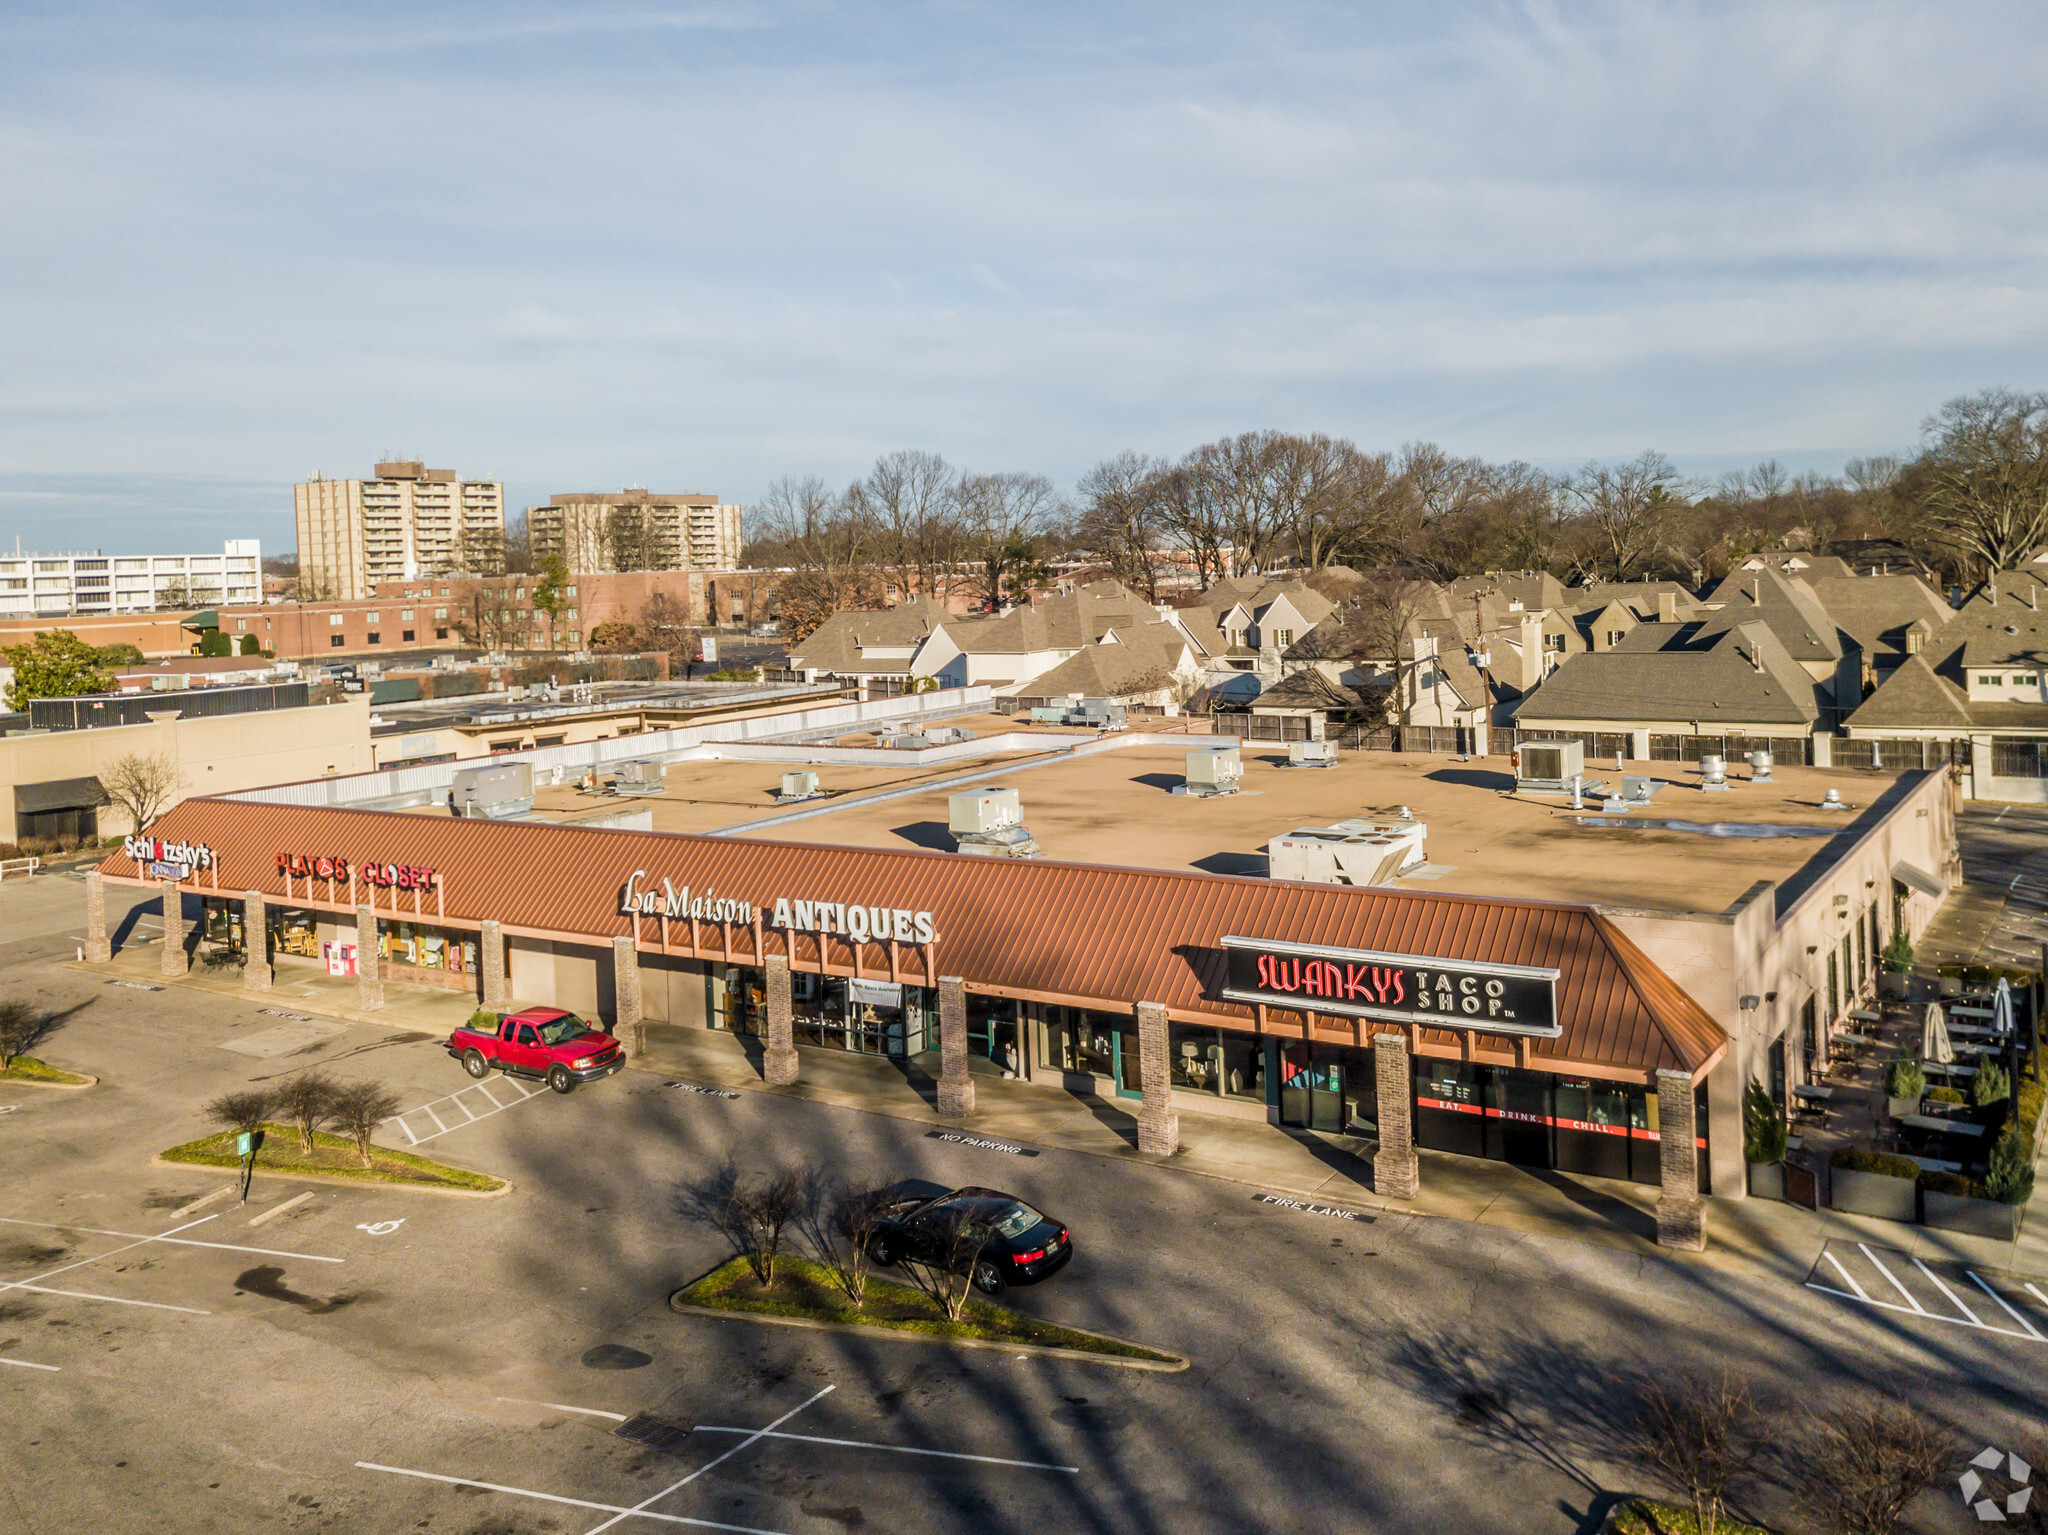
(746, 1443)
(457, 1101)
(1978, 1280)
(1945, 1290)
(1849, 1278)
(592, 1412)
(262, 1252)
(20, 1284)
(29, 1364)
(898, 1449)
(470, 1116)
(551, 1497)
(117, 1300)
(480, 1087)
(1876, 1263)
(428, 1110)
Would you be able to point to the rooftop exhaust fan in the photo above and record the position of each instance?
(1713, 772)
(1760, 767)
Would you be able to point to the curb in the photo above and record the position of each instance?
(62, 1087)
(346, 1183)
(864, 1330)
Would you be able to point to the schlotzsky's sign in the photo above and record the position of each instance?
(864, 924)
(1401, 988)
(154, 850)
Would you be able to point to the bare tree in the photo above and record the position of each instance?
(243, 1110)
(836, 543)
(1700, 1432)
(22, 1028)
(1004, 517)
(1857, 1467)
(911, 497)
(357, 1109)
(754, 1217)
(1982, 480)
(307, 1100)
(142, 785)
(1120, 520)
(847, 1220)
(1191, 519)
(666, 623)
(1623, 509)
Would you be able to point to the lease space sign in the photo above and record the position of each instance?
(1401, 988)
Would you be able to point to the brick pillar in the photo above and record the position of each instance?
(779, 1068)
(369, 974)
(175, 962)
(255, 942)
(956, 1087)
(490, 963)
(1681, 1218)
(626, 1025)
(97, 949)
(1158, 1125)
(1395, 1173)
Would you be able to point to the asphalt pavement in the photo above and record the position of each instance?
(370, 1359)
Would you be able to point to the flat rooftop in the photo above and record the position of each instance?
(1482, 839)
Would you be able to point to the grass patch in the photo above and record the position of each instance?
(1644, 1516)
(26, 1068)
(807, 1289)
(333, 1157)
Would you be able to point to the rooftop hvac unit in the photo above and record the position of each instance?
(1311, 753)
(1097, 714)
(493, 793)
(990, 822)
(946, 735)
(637, 777)
(1048, 716)
(796, 786)
(1356, 852)
(1548, 767)
(1214, 771)
(1634, 791)
(905, 743)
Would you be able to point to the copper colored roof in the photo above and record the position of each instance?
(1080, 934)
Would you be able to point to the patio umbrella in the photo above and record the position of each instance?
(2001, 1009)
(1934, 1041)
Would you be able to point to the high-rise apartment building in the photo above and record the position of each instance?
(409, 523)
(62, 584)
(636, 530)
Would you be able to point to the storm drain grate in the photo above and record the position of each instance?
(655, 1433)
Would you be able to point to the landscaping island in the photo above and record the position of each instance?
(808, 1291)
(26, 1068)
(279, 1151)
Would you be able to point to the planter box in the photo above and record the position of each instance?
(1766, 1180)
(1878, 1194)
(1971, 1217)
(1897, 1106)
(1889, 985)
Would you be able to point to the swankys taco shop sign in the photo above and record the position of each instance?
(639, 897)
(1400, 988)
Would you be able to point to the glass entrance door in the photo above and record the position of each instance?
(1518, 1118)
(1312, 1088)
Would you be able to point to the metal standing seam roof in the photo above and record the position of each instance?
(1081, 934)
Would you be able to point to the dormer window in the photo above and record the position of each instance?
(1616, 636)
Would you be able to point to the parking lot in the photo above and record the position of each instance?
(346, 1358)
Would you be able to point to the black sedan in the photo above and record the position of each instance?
(1003, 1238)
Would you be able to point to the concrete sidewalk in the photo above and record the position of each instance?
(1749, 1234)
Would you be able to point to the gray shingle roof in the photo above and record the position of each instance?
(1792, 610)
(1676, 672)
(2002, 623)
(1876, 611)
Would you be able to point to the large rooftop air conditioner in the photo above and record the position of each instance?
(1216, 770)
(637, 777)
(801, 785)
(990, 822)
(1311, 753)
(1355, 852)
(1548, 767)
(493, 793)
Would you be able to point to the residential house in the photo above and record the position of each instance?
(1244, 626)
(1889, 617)
(1152, 664)
(869, 645)
(1787, 604)
(1974, 695)
(1010, 651)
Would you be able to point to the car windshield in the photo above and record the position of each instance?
(563, 1029)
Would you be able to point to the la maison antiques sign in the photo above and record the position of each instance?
(864, 924)
(1400, 988)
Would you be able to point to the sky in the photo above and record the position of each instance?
(699, 246)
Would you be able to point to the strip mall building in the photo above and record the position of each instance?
(1588, 1039)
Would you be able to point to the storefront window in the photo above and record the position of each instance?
(426, 948)
(1218, 1061)
(1092, 1044)
(865, 1017)
(992, 1032)
(737, 1000)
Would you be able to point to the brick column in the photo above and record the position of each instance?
(956, 1087)
(97, 949)
(1158, 1125)
(175, 962)
(1681, 1218)
(1395, 1173)
(779, 1069)
(369, 973)
(626, 1024)
(255, 942)
(490, 963)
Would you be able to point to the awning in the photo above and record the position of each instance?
(1918, 879)
(210, 619)
(58, 794)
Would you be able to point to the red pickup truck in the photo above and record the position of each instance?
(558, 1048)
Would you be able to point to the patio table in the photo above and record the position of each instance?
(1865, 1015)
(1959, 1011)
(1814, 1094)
(1935, 1165)
(1935, 1068)
(1855, 1039)
(1971, 1030)
(1942, 1126)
